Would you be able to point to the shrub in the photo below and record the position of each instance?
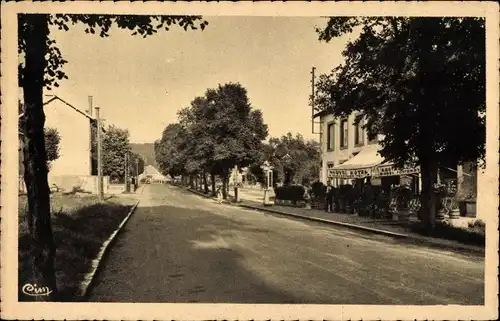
(471, 235)
(318, 190)
(290, 193)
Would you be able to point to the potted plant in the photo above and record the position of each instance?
(440, 191)
(453, 202)
(403, 195)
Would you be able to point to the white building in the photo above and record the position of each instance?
(72, 169)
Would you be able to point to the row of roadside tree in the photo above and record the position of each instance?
(220, 131)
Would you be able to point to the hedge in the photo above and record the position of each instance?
(290, 193)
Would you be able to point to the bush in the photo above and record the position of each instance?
(292, 193)
(318, 190)
(471, 235)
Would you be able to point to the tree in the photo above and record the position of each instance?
(136, 164)
(51, 136)
(420, 82)
(294, 159)
(52, 140)
(226, 131)
(42, 67)
(168, 151)
(115, 145)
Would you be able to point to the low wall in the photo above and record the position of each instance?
(70, 183)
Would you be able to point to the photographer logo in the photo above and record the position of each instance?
(33, 290)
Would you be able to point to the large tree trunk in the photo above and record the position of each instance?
(212, 179)
(43, 247)
(225, 179)
(428, 197)
(205, 182)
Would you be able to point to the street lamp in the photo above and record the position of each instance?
(268, 170)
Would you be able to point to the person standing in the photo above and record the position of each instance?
(219, 194)
(329, 198)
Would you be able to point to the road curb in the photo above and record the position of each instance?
(352, 226)
(90, 277)
(402, 237)
(406, 238)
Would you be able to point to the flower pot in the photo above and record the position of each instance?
(441, 214)
(462, 208)
(454, 213)
(404, 214)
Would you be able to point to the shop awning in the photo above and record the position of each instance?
(369, 163)
(388, 169)
(359, 166)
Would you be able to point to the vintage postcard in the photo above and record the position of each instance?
(249, 160)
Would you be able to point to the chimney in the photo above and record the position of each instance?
(90, 111)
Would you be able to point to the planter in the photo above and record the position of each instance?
(441, 214)
(454, 213)
(404, 215)
(462, 208)
(470, 208)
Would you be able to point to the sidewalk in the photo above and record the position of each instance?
(396, 229)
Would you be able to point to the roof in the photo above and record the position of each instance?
(54, 97)
(322, 113)
(368, 157)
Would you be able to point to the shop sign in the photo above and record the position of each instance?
(390, 170)
(376, 181)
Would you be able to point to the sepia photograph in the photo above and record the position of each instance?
(249, 160)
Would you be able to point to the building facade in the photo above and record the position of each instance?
(341, 141)
(72, 170)
(348, 157)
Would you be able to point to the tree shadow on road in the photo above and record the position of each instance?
(179, 255)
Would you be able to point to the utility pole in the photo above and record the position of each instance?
(91, 136)
(100, 191)
(127, 184)
(312, 99)
(136, 173)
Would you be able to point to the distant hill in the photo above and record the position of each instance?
(146, 151)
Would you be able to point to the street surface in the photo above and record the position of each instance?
(179, 247)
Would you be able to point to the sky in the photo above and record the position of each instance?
(140, 84)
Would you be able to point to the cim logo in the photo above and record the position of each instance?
(33, 290)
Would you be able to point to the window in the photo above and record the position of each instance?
(343, 134)
(330, 137)
(358, 134)
(373, 141)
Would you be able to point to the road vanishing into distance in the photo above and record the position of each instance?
(179, 247)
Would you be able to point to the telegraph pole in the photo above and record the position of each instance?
(91, 137)
(127, 185)
(136, 172)
(100, 191)
(312, 99)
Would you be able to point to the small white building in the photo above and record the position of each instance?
(73, 168)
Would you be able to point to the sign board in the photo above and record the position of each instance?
(376, 181)
(405, 180)
(390, 170)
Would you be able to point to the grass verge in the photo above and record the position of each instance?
(81, 225)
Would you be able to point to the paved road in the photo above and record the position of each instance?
(179, 247)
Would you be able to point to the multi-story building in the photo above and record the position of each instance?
(348, 156)
(348, 153)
